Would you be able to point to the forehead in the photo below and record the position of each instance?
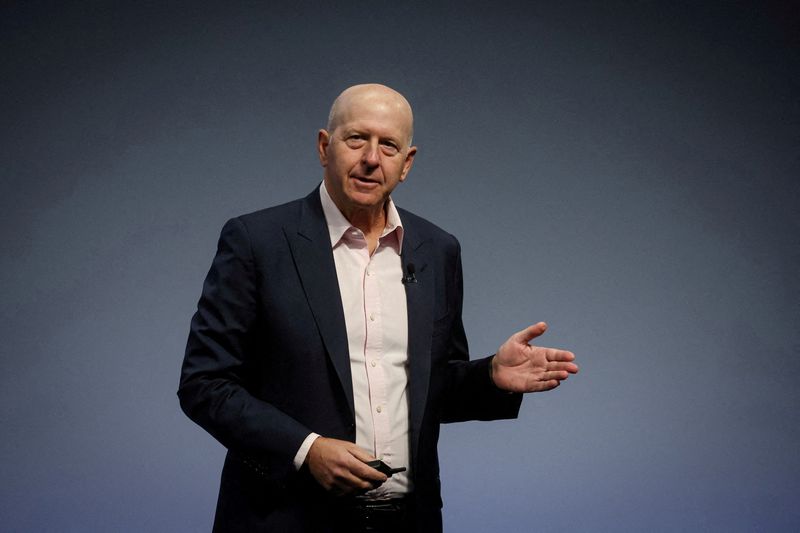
(380, 114)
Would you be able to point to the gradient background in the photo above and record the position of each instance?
(627, 172)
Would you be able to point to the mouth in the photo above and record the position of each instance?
(365, 180)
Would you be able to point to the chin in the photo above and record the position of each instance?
(367, 200)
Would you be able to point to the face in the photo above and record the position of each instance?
(367, 154)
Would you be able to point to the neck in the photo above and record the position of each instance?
(369, 221)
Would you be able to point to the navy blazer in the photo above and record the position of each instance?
(267, 363)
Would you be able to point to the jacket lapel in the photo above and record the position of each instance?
(419, 302)
(311, 248)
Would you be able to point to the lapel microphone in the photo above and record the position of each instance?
(410, 276)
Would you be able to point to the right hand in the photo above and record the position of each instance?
(339, 466)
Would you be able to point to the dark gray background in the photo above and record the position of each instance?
(627, 172)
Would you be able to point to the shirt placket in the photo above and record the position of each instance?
(373, 351)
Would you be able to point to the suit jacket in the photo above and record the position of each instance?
(267, 363)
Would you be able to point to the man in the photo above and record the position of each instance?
(329, 334)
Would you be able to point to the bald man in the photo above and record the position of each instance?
(329, 336)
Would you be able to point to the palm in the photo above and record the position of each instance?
(521, 367)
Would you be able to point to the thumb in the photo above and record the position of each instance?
(530, 333)
(360, 454)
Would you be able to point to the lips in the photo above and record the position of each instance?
(365, 180)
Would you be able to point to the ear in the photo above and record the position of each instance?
(323, 140)
(408, 162)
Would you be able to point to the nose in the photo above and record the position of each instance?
(371, 155)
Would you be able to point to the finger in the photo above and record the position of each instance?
(359, 467)
(360, 453)
(340, 480)
(572, 368)
(348, 482)
(365, 472)
(542, 386)
(370, 475)
(554, 354)
(531, 332)
(559, 375)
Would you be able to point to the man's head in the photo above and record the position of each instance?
(365, 149)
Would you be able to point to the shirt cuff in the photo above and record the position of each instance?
(300, 456)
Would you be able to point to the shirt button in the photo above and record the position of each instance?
(373, 363)
(368, 272)
(372, 317)
(378, 409)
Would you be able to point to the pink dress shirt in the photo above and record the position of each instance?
(374, 303)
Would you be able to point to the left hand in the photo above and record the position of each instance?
(521, 367)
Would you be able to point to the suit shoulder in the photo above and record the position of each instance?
(429, 229)
(278, 214)
(265, 221)
(260, 229)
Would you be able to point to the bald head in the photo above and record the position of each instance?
(372, 95)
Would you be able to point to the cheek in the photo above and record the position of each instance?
(348, 164)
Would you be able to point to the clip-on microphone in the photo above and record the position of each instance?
(410, 277)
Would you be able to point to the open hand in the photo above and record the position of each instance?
(521, 367)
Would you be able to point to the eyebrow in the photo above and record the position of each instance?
(361, 131)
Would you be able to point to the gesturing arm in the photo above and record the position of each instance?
(479, 387)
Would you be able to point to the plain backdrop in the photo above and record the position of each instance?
(626, 171)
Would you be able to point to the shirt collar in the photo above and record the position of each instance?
(338, 225)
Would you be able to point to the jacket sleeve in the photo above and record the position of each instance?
(213, 388)
(470, 392)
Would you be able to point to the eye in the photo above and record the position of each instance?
(389, 147)
(354, 140)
